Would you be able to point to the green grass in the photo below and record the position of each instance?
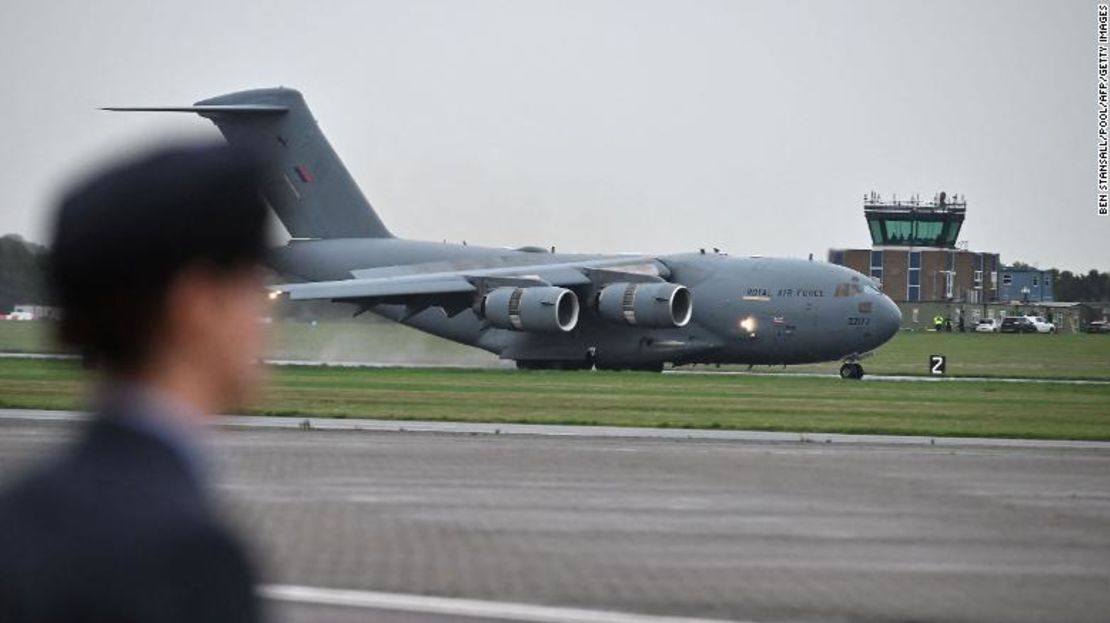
(1078, 356)
(969, 354)
(802, 404)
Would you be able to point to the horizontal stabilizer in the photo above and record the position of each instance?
(205, 109)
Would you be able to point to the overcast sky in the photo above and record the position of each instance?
(602, 126)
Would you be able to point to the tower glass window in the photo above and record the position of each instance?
(914, 223)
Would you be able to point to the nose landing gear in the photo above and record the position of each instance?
(851, 370)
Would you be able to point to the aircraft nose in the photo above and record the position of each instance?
(888, 318)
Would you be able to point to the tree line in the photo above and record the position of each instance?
(22, 273)
(1093, 286)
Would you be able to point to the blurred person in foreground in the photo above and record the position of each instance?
(156, 265)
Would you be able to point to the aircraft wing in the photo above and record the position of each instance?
(432, 281)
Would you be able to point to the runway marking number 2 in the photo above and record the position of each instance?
(937, 364)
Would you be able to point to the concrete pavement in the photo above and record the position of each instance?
(721, 528)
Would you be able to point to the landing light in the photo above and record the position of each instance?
(748, 325)
(274, 295)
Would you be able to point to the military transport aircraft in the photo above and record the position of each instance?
(540, 308)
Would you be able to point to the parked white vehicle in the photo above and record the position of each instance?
(988, 325)
(1043, 326)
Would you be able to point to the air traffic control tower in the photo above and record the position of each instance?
(914, 223)
(915, 256)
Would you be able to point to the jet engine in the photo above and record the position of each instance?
(650, 304)
(544, 309)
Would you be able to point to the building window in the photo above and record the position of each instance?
(978, 277)
(913, 277)
(1007, 279)
(1036, 281)
(950, 277)
(838, 257)
(877, 265)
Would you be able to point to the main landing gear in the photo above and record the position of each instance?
(851, 370)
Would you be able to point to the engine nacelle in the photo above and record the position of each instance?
(543, 309)
(650, 304)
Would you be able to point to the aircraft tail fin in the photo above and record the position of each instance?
(305, 182)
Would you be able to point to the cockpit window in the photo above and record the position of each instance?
(849, 289)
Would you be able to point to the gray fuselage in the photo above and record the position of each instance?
(745, 310)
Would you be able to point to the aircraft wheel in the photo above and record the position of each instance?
(851, 371)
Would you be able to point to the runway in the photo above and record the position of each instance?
(627, 528)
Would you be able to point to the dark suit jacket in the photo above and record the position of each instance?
(118, 530)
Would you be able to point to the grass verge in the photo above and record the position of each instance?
(802, 404)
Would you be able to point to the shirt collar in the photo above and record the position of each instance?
(158, 414)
